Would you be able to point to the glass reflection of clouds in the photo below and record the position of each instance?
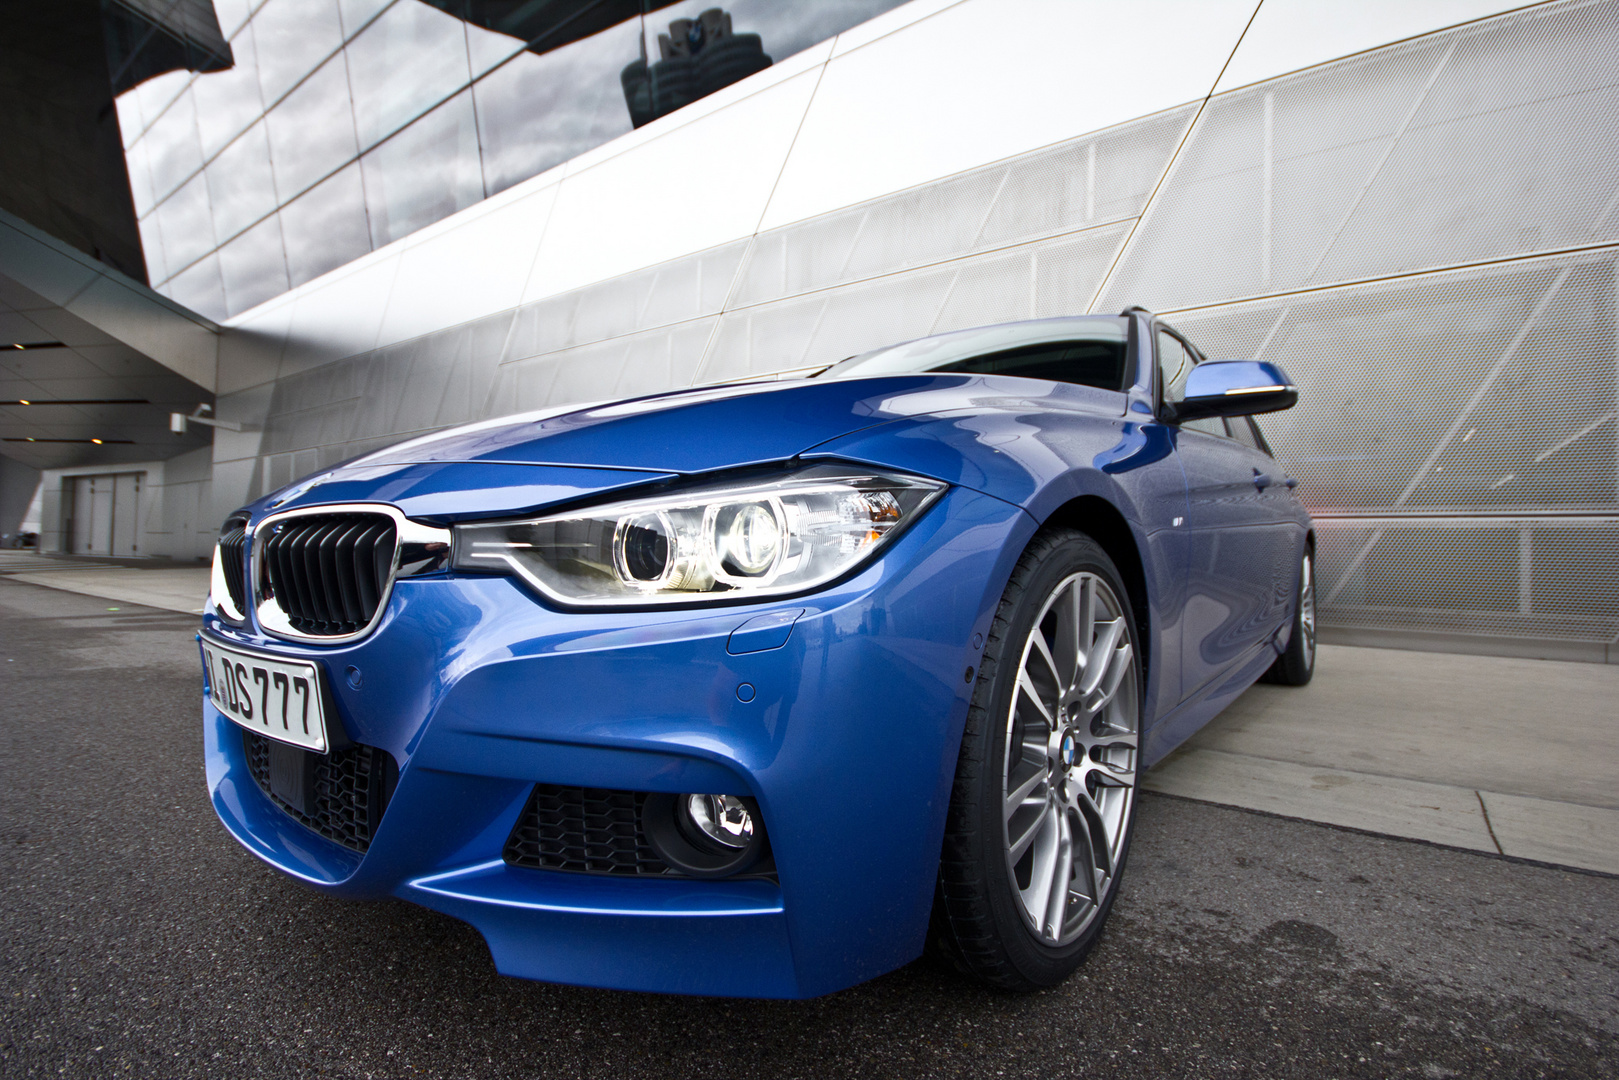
(241, 188)
(229, 101)
(312, 130)
(426, 172)
(370, 130)
(409, 59)
(326, 227)
(537, 111)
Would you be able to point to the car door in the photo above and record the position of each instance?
(1237, 541)
(1276, 494)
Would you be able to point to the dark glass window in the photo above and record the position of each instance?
(538, 110)
(1084, 363)
(1089, 352)
(1174, 365)
(279, 107)
(1246, 431)
(1208, 425)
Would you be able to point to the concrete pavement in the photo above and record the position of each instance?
(1518, 757)
(138, 939)
(182, 588)
(1510, 756)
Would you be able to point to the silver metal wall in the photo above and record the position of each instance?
(1424, 235)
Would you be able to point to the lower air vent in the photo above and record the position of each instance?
(340, 795)
(584, 830)
(327, 572)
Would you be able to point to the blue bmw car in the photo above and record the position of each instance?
(761, 689)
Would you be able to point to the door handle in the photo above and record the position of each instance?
(1261, 480)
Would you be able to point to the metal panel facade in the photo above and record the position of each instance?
(1425, 235)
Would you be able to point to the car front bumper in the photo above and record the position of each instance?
(847, 739)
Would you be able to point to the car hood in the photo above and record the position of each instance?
(685, 431)
(547, 457)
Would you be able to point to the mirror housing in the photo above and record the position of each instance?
(1235, 388)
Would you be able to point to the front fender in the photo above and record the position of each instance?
(1042, 460)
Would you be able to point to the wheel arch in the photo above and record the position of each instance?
(1101, 521)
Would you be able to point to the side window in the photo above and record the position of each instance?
(1246, 430)
(1174, 364)
(1210, 425)
(1243, 432)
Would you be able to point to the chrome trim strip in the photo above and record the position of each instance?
(1258, 390)
(418, 549)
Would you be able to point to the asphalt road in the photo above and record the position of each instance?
(137, 939)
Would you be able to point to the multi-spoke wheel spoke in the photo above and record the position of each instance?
(1071, 753)
(1307, 607)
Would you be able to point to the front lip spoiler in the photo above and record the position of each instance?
(750, 899)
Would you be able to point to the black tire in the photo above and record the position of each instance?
(1296, 665)
(982, 921)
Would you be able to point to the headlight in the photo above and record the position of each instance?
(755, 537)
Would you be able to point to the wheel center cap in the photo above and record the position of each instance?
(1070, 747)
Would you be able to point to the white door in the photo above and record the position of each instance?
(106, 510)
(92, 515)
(83, 502)
(126, 493)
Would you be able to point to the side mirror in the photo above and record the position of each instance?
(1235, 388)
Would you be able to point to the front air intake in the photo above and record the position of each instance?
(341, 795)
(328, 573)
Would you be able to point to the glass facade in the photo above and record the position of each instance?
(333, 127)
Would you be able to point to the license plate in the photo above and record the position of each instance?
(275, 697)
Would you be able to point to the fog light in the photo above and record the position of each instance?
(705, 835)
(722, 819)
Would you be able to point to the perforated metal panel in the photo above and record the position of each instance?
(1535, 577)
(1456, 434)
(1485, 389)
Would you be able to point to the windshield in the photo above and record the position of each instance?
(1086, 352)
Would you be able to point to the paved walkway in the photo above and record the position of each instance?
(182, 588)
(1518, 757)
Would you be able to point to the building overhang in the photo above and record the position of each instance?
(100, 359)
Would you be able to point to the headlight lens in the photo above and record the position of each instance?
(755, 537)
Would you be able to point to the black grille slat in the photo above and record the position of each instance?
(382, 559)
(352, 787)
(325, 547)
(328, 572)
(307, 546)
(232, 561)
(297, 588)
(583, 831)
(366, 546)
(288, 585)
(343, 563)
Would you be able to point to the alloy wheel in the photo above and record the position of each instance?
(1307, 609)
(1071, 756)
